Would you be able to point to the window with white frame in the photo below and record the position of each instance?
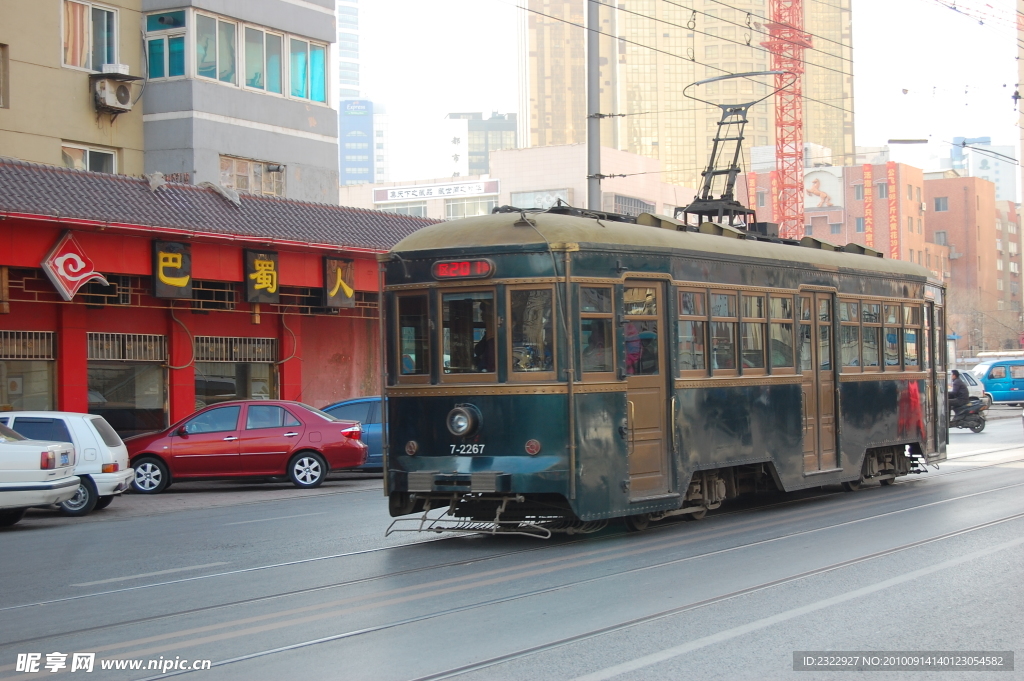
(999, 265)
(165, 44)
(252, 177)
(1015, 267)
(264, 60)
(216, 53)
(308, 72)
(90, 35)
(88, 158)
(1012, 245)
(465, 208)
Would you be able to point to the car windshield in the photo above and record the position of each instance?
(322, 414)
(8, 435)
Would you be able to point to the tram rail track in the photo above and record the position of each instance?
(657, 529)
(550, 565)
(490, 662)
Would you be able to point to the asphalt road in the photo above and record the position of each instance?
(268, 585)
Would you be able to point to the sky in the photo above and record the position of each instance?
(921, 71)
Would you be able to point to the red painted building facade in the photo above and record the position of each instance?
(143, 361)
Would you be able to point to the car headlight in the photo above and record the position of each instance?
(463, 420)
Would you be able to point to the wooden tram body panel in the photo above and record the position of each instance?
(640, 442)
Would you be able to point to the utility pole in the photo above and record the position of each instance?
(593, 105)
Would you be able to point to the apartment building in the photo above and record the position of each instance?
(57, 106)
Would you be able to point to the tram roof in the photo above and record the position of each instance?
(499, 229)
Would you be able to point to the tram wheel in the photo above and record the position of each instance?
(887, 482)
(852, 486)
(699, 515)
(638, 523)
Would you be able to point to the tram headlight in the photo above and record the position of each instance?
(463, 420)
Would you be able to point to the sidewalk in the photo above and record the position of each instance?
(1002, 411)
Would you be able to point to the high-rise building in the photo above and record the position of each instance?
(363, 144)
(652, 50)
(485, 136)
(347, 14)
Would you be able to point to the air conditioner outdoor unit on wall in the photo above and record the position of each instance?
(112, 95)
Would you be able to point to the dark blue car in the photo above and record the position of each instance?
(366, 410)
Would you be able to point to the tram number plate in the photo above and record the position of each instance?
(467, 449)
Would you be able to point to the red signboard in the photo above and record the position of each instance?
(69, 268)
(463, 269)
(894, 211)
(869, 208)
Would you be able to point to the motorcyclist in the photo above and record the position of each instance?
(959, 394)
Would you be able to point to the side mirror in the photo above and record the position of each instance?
(182, 431)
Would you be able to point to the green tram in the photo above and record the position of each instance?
(552, 370)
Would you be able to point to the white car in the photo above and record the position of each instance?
(102, 457)
(33, 473)
(974, 386)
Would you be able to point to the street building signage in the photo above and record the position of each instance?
(172, 269)
(261, 284)
(436, 191)
(339, 283)
(894, 211)
(869, 208)
(69, 268)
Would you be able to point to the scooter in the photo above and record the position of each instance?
(970, 415)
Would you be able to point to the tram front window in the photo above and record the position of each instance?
(468, 332)
(597, 349)
(413, 325)
(531, 331)
(641, 348)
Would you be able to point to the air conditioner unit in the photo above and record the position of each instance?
(112, 95)
(923, 206)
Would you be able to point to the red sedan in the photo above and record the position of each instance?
(247, 439)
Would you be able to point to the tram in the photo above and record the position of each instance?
(552, 370)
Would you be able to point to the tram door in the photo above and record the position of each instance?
(647, 370)
(819, 388)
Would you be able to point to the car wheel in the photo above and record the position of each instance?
(307, 470)
(84, 500)
(104, 501)
(11, 516)
(151, 475)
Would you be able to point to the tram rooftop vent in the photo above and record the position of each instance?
(756, 231)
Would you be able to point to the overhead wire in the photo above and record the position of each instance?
(728, 40)
(660, 51)
(814, 35)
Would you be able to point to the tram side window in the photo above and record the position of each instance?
(911, 334)
(926, 348)
(780, 340)
(414, 335)
(871, 316)
(753, 332)
(692, 328)
(940, 341)
(641, 335)
(596, 335)
(849, 334)
(891, 334)
(723, 331)
(806, 363)
(468, 332)
(825, 335)
(532, 343)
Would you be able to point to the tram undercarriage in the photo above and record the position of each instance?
(542, 515)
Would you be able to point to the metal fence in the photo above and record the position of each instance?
(224, 349)
(26, 345)
(127, 347)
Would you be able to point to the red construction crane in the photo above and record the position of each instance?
(787, 41)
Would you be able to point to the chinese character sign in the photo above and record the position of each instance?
(339, 283)
(869, 208)
(172, 270)
(261, 285)
(69, 268)
(894, 211)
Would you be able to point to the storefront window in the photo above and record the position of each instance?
(223, 381)
(131, 397)
(26, 385)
